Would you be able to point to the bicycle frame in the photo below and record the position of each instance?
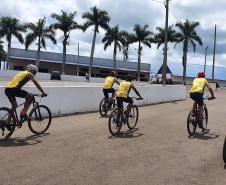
(34, 103)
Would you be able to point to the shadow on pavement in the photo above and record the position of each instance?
(19, 141)
(204, 135)
(127, 134)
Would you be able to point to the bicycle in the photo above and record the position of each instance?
(118, 117)
(39, 119)
(109, 105)
(193, 118)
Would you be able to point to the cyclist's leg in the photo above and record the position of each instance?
(105, 91)
(27, 103)
(120, 104)
(130, 101)
(112, 90)
(10, 93)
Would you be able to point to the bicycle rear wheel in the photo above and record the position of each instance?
(205, 117)
(114, 123)
(103, 110)
(5, 132)
(132, 117)
(224, 151)
(191, 123)
(40, 119)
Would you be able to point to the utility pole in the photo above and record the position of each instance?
(78, 61)
(205, 60)
(214, 51)
(165, 47)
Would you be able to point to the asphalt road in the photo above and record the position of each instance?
(80, 150)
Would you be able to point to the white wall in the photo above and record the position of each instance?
(66, 100)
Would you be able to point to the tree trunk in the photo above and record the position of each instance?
(138, 67)
(38, 57)
(8, 55)
(64, 57)
(184, 63)
(92, 53)
(114, 57)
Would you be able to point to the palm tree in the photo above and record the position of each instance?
(142, 35)
(97, 18)
(10, 27)
(2, 53)
(159, 38)
(188, 37)
(39, 31)
(126, 42)
(113, 35)
(66, 24)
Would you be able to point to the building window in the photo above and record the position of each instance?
(85, 69)
(104, 72)
(19, 68)
(43, 70)
(122, 73)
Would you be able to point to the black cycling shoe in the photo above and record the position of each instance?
(23, 116)
(8, 127)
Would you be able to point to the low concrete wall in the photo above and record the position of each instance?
(67, 100)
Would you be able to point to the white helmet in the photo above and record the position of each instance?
(31, 67)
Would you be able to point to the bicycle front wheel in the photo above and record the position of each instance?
(132, 117)
(224, 151)
(191, 123)
(205, 117)
(103, 110)
(114, 123)
(6, 130)
(40, 119)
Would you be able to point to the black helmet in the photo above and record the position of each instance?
(128, 78)
(112, 73)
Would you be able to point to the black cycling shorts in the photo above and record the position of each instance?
(120, 101)
(106, 91)
(12, 93)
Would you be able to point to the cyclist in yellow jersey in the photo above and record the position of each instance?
(196, 94)
(123, 93)
(13, 90)
(108, 86)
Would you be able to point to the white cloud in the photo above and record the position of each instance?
(126, 14)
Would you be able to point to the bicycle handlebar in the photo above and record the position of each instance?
(40, 95)
(136, 98)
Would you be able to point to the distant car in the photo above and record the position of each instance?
(55, 75)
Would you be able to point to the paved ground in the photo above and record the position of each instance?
(80, 150)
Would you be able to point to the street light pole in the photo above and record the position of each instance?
(205, 60)
(165, 47)
(78, 61)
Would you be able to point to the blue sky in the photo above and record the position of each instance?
(127, 13)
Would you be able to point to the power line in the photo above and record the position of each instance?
(158, 1)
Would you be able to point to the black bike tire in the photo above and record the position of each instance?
(110, 122)
(191, 133)
(134, 125)
(205, 111)
(12, 127)
(102, 113)
(30, 121)
(224, 150)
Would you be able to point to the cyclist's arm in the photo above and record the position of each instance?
(117, 81)
(210, 89)
(211, 92)
(39, 88)
(137, 92)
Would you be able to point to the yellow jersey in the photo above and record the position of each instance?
(124, 89)
(21, 79)
(198, 85)
(109, 82)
